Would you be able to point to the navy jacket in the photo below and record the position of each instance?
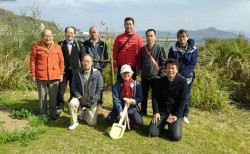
(118, 104)
(187, 60)
(99, 52)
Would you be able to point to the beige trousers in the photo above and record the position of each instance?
(89, 115)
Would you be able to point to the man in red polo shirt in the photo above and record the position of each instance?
(126, 49)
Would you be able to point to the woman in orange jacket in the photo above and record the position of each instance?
(47, 68)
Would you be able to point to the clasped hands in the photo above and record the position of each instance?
(171, 118)
(85, 102)
(130, 101)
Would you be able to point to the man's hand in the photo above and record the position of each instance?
(81, 100)
(61, 78)
(171, 118)
(155, 118)
(33, 78)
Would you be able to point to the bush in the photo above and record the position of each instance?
(208, 92)
(230, 58)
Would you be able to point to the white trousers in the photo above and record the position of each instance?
(89, 115)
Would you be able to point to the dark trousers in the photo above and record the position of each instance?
(119, 71)
(62, 88)
(134, 117)
(174, 129)
(146, 84)
(187, 104)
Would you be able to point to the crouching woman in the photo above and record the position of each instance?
(126, 91)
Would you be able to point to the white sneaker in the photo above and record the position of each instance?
(73, 126)
(185, 120)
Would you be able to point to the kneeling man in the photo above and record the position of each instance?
(169, 102)
(87, 85)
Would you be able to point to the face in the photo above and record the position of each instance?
(129, 26)
(182, 39)
(94, 33)
(47, 37)
(69, 35)
(171, 71)
(126, 76)
(87, 62)
(150, 36)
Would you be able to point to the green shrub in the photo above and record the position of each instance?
(23, 113)
(208, 92)
(231, 58)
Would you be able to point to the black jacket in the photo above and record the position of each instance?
(72, 60)
(170, 97)
(148, 68)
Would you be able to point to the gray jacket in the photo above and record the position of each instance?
(95, 84)
(148, 69)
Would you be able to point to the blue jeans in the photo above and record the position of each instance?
(186, 109)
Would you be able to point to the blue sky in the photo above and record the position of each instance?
(164, 15)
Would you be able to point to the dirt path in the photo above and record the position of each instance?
(9, 124)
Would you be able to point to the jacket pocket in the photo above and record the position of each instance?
(56, 67)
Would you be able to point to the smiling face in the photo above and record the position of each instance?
(47, 37)
(70, 34)
(126, 76)
(171, 71)
(129, 26)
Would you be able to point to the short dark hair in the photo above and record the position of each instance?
(70, 27)
(172, 61)
(150, 30)
(182, 31)
(129, 18)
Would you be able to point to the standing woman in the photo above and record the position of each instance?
(187, 54)
(47, 68)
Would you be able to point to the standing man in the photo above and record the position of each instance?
(87, 85)
(72, 55)
(126, 49)
(47, 68)
(97, 49)
(187, 55)
(152, 61)
(168, 105)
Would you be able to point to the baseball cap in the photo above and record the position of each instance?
(126, 68)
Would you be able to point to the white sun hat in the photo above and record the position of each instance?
(126, 68)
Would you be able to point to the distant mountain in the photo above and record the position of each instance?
(210, 32)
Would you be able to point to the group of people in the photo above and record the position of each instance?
(54, 65)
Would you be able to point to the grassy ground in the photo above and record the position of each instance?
(208, 132)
